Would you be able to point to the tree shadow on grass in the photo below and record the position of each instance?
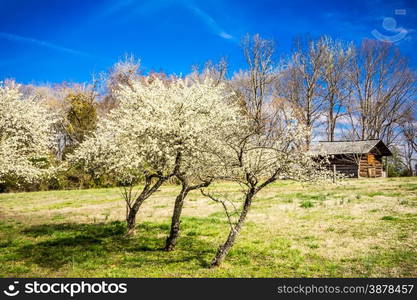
(69, 243)
(99, 230)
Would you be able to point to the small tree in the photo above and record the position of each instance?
(256, 159)
(198, 168)
(158, 125)
(191, 178)
(25, 137)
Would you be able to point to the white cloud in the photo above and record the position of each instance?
(226, 35)
(129, 8)
(210, 22)
(28, 40)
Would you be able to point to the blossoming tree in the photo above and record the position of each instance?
(25, 137)
(259, 155)
(160, 129)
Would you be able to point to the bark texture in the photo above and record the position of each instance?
(147, 191)
(150, 187)
(224, 249)
(171, 240)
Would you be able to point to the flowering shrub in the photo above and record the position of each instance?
(160, 128)
(25, 137)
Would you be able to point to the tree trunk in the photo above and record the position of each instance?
(330, 121)
(176, 216)
(234, 231)
(131, 217)
(147, 191)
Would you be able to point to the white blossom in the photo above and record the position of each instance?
(25, 137)
(156, 121)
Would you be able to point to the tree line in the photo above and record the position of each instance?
(338, 90)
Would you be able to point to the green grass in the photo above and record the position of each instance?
(388, 218)
(306, 204)
(358, 228)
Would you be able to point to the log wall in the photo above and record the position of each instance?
(370, 165)
(344, 165)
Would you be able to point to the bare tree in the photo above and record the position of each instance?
(408, 157)
(254, 84)
(408, 148)
(382, 87)
(301, 83)
(216, 71)
(336, 88)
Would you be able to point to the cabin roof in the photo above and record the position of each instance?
(350, 147)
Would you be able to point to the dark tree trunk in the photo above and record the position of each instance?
(179, 202)
(176, 216)
(234, 231)
(131, 217)
(330, 121)
(171, 240)
(147, 191)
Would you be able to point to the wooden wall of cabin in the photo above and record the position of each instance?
(345, 165)
(371, 165)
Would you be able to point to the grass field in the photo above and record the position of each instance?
(358, 228)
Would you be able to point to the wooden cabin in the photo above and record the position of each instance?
(353, 157)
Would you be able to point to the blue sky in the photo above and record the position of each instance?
(53, 41)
